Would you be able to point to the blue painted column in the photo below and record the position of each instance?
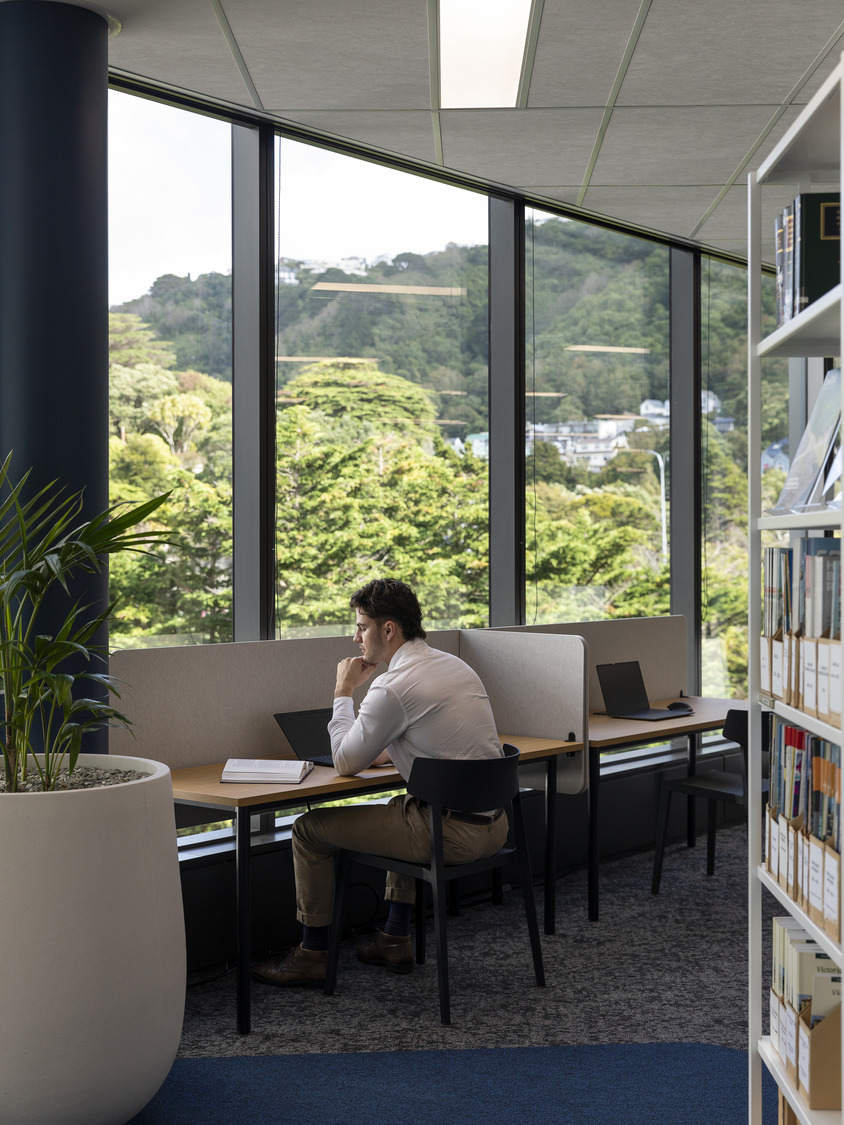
(54, 249)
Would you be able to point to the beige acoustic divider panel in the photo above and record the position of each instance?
(200, 705)
(658, 643)
(536, 683)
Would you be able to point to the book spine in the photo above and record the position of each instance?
(788, 263)
(779, 262)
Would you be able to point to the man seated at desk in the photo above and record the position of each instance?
(427, 704)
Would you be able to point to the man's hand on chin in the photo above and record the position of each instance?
(351, 673)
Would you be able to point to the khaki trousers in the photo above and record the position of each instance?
(399, 829)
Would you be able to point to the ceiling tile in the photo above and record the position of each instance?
(181, 45)
(567, 71)
(722, 52)
(677, 211)
(677, 145)
(372, 54)
(511, 146)
(554, 193)
(409, 133)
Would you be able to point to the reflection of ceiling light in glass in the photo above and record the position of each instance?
(606, 348)
(482, 43)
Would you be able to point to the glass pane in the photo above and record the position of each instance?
(724, 447)
(597, 423)
(170, 367)
(381, 365)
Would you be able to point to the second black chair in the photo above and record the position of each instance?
(712, 787)
(466, 785)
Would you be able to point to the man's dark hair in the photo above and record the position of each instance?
(387, 599)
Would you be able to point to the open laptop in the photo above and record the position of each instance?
(307, 733)
(625, 697)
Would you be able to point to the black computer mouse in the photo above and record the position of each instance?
(678, 706)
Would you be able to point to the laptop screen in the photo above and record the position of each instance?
(307, 732)
(622, 687)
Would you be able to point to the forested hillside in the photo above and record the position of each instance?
(372, 384)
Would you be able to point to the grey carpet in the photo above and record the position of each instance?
(653, 969)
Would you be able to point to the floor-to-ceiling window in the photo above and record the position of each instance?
(170, 366)
(382, 390)
(724, 479)
(597, 422)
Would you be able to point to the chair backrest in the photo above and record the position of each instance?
(466, 784)
(735, 727)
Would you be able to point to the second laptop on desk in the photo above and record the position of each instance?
(625, 696)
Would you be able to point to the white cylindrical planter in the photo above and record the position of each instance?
(92, 943)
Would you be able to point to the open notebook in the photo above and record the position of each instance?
(625, 697)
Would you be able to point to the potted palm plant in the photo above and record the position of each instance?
(90, 900)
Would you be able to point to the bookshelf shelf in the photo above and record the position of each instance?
(813, 332)
(815, 932)
(808, 158)
(802, 1112)
(807, 722)
(801, 521)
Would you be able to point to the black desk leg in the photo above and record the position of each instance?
(551, 845)
(594, 846)
(243, 910)
(693, 742)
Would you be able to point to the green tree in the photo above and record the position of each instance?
(178, 418)
(387, 402)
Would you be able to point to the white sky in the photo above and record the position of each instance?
(170, 201)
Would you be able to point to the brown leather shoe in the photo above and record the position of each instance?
(300, 966)
(395, 954)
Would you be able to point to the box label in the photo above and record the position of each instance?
(830, 887)
(816, 874)
(803, 1059)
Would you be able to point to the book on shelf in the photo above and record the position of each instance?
(812, 459)
(779, 261)
(279, 771)
(817, 243)
(788, 262)
(805, 780)
(806, 251)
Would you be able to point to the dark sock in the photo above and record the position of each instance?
(398, 920)
(315, 937)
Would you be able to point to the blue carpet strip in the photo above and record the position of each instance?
(633, 1084)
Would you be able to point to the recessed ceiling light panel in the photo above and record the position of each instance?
(482, 43)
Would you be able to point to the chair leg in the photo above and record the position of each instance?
(711, 810)
(438, 892)
(661, 833)
(497, 887)
(526, 879)
(340, 880)
(421, 908)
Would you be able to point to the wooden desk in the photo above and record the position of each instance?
(606, 733)
(201, 785)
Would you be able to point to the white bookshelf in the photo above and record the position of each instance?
(808, 158)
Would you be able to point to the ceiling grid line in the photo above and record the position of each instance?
(529, 56)
(434, 78)
(632, 41)
(240, 62)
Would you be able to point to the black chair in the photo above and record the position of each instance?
(471, 786)
(715, 786)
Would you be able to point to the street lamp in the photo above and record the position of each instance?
(661, 461)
